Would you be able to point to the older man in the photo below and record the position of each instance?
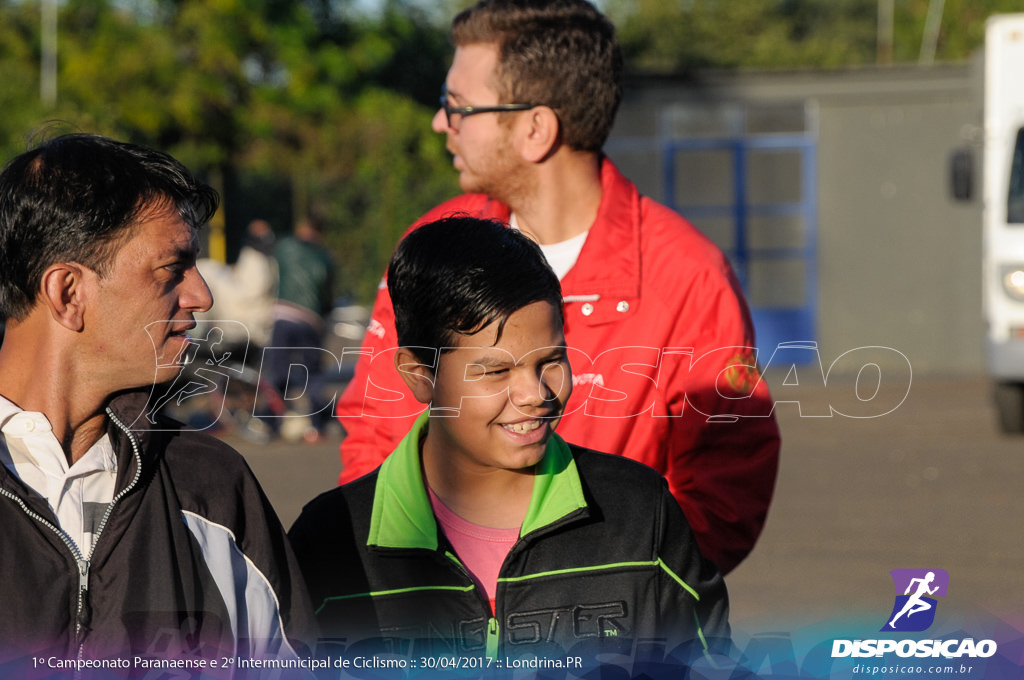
(120, 537)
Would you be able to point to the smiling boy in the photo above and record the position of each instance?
(484, 533)
(526, 108)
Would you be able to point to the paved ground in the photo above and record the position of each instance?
(931, 484)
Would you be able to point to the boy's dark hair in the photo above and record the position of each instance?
(559, 53)
(74, 198)
(460, 274)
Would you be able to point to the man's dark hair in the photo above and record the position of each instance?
(460, 274)
(559, 53)
(74, 199)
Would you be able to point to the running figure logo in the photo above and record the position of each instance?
(207, 366)
(914, 610)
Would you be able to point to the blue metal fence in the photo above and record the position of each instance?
(776, 324)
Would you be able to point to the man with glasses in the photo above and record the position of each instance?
(659, 335)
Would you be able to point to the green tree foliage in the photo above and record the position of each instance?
(679, 36)
(19, 83)
(290, 105)
(961, 31)
(331, 107)
(393, 156)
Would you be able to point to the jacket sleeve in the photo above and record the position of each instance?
(245, 551)
(725, 448)
(693, 603)
(300, 628)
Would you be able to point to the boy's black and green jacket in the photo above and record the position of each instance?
(605, 560)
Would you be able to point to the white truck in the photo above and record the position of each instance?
(1003, 214)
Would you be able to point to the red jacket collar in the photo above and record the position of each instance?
(609, 264)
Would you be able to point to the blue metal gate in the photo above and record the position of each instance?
(766, 222)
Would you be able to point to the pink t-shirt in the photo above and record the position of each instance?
(481, 550)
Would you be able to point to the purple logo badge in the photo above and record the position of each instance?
(916, 590)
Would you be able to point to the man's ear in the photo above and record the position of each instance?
(541, 133)
(418, 377)
(63, 293)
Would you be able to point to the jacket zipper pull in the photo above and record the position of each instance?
(84, 608)
(493, 638)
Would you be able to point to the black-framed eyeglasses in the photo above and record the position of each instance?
(455, 114)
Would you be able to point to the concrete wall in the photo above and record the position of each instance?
(898, 261)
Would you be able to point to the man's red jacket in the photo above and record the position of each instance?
(664, 371)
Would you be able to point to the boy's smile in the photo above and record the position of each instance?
(495, 401)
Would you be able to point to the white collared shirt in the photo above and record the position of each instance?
(79, 494)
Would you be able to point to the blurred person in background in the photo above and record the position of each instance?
(246, 290)
(304, 300)
(660, 336)
(120, 537)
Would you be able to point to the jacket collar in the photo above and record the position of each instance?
(609, 264)
(126, 424)
(132, 435)
(402, 517)
(127, 412)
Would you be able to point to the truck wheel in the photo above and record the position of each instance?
(1009, 399)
